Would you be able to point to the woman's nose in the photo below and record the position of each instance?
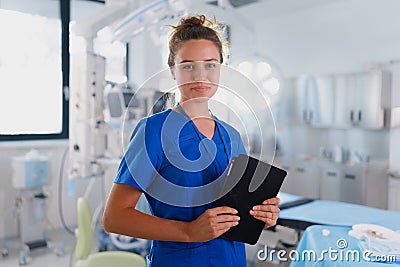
(200, 74)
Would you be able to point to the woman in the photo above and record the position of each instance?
(184, 232)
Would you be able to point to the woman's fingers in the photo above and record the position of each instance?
(265, 214)
(266, 207)
(221, 210)
(226, 218)
(272, 201)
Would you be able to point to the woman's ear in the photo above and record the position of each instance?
(172, 72)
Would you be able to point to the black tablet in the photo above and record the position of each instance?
(248, 183)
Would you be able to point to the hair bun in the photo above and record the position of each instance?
(193, 21)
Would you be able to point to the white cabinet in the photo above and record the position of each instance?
(351, 184)
(302, 178)
(325, 97)
(306, 179)
(375, 189)
(394, 194)
(315, 95)
(341, 99)
(357, 184)
(358, 99)
(330, 183)
(365, 185)
(307, 98)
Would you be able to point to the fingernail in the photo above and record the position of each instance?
(255, 208)
(252, 212)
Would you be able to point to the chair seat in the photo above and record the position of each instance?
(113, 259)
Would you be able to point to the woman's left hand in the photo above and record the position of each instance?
(267, 212)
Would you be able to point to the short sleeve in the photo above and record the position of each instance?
(140, 163)
(240, 146)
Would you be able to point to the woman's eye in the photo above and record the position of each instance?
(187, 67)
(211, 66)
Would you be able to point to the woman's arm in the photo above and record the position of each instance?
(120, 216)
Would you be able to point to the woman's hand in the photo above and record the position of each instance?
(212, 223)
(267, 212)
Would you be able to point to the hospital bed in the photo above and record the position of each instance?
(317, 225)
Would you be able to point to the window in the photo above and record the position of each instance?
(32, 103)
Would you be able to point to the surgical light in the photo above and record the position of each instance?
(260, 71)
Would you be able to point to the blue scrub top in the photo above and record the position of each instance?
(154, 154)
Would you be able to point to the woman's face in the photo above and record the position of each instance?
(197, 69)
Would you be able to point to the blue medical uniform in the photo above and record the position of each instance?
(149, 159)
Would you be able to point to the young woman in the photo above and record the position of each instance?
(184, 232)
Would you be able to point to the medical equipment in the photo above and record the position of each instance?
(124, 109)
(30, 175)
(122, 112)
(88, 123)
(366, 230)
(30, 171)
(377, 239)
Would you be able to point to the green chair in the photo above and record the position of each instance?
(84, 245)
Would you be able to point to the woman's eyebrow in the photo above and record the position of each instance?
(189, 60)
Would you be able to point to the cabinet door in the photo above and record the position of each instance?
(315, 100)
(376, 187)
(341, 102)
(394, 194)
(306, 98)
(351, 185)
(353, 99)
(325, 101)
(370, 113)
(306, 180)
(330, 184)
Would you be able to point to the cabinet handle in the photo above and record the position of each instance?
(300, 169)
(352, 116)
(349, 176)
(305, 115)
(359, 115)
(331, 174)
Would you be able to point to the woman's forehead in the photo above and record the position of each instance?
(197, 50)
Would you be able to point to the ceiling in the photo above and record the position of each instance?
(263, 9)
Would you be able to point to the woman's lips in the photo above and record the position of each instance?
(201, 88)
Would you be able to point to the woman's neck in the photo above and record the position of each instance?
(195, 109)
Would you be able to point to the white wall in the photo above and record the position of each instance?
(340, 36)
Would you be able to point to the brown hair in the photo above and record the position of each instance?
(195, 28)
